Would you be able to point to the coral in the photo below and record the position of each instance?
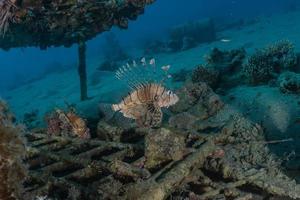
(12, 152)
(209, 75)
(162, 145)
(12, 169)
(6, 117)
(289, 82)
(67, 124)
(47, 23)
(265, 64)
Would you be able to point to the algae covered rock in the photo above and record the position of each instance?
(12, 152)
(199, 99)
(163, 145)
(289, 82)
(108, 132)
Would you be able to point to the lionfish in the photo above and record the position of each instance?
(148, 95)
(70, 123)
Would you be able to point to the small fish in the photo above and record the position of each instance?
(165, 67)
(225, 40)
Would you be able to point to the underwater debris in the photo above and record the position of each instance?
(67, 124)
(144, 103)
(12, 152)
(289, 82)
(224, 157)
(267, 63)
(109, 133)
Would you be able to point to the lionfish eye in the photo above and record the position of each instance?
(169, 92)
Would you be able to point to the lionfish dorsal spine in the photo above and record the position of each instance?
(137, 74)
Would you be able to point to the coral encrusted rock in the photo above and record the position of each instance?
(163, 145)
(12, 150)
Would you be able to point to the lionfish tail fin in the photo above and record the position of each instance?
(143, 72)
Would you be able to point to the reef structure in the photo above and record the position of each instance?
(56, 23)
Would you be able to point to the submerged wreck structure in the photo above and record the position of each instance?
(205, 151)
(39, 23)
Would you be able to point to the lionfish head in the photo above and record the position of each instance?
(167, 99)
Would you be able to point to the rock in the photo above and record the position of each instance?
(198, 99)
(209, 75)
(109, 133)
(289, 82)
(163, 145)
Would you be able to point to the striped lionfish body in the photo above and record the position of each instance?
(145, 101)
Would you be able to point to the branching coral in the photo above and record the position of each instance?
(12, 149)
(265, 64)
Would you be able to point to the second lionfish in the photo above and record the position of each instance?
(148, 95)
